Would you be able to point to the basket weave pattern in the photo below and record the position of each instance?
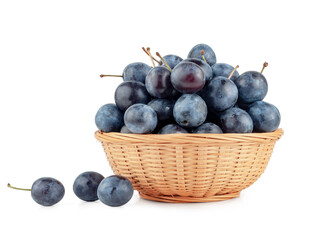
(189, 167)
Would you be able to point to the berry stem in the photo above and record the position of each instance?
(265, 64)
(102, 75)
(24, 189)
(233, 72)
(202, 52)
(149, 53)
(152, 56)
(163, 60)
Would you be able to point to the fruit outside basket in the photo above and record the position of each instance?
(189, 167)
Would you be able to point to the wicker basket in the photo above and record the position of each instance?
(189, 167)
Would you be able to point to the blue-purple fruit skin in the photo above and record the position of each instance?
(124, 129)
(109, 118)
(136, 71)
(129, 93)
(47, 191)
(236, 120)
(158, 82)
(204, 66)
(221, 94)
(163, 108)
(115, 191)
(252, 86)
(209, 54)
(86, 185)
(172, 129)
(208, 128)
(140, 118)
(187, 77)
(224, 70)
(171, 60)
(266, 117)
(190, 110)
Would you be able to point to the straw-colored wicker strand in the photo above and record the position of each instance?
(219, 139)
(178, 199)
(189, 167)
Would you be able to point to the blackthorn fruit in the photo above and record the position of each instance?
(236, 120)
(188, 77)
(115, 191)
(109, 118)
(129, 93)
(265, 116)
(158, 83)
(209, 54)
(136, 72)
(172, 60)
(86, 185)
(163, 108)
(221, 94)
(190, 110)
(224, 70)
(140, 118)
(252, 86)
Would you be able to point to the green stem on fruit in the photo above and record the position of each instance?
(265, 64)
(102, 75)
(24, 189)
(160, 63)
(149, 53)
(233, 72)
(202, 52)
(163, 60)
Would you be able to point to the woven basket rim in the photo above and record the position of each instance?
(225, 138)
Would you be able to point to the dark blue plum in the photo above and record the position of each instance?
(158, 82)
(265, 116)
(221, 94)
(204, 66)
(115, 191)
(86, 185)
(129, 93)
(163, 108)
(140, 118)
(172, 60)
(190, 110)
(209, 54)
(124, 129)
(171, 129)
(224, 70)
(136, 72)
(236, 120)
(187, 77)
(252, 86)
(109, 118)
(208, 128)
(47, 191)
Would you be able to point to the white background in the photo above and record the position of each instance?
(51, 55)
